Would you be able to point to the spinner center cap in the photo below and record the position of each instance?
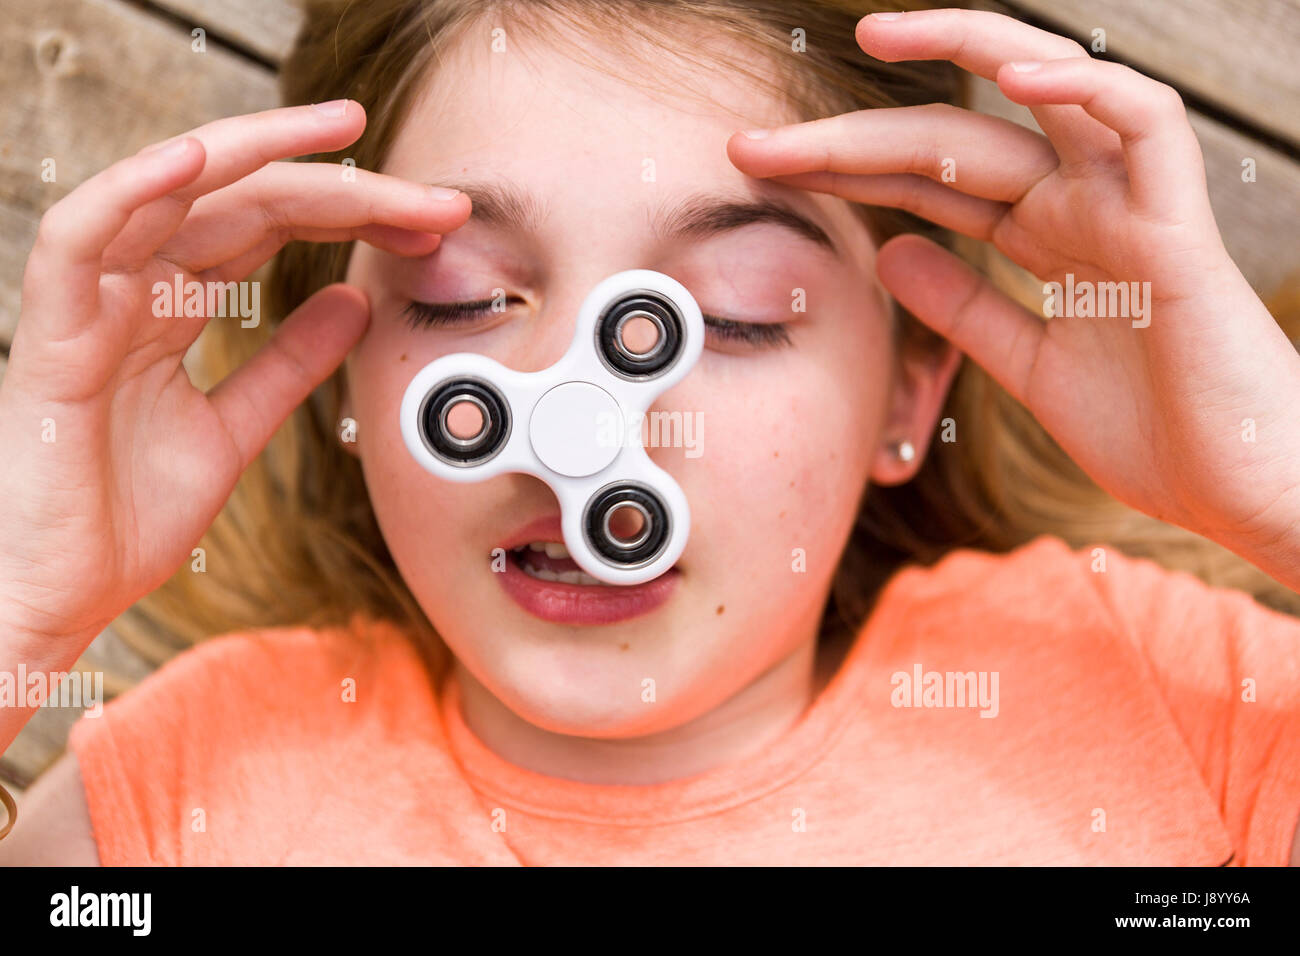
(576, 429)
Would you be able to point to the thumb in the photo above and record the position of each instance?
(255, 399)
(961, 305)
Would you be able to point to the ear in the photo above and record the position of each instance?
(920, 388)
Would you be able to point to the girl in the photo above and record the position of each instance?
(876, 647)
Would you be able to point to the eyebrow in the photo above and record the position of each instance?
(501, 204)
(709, 214)
(698, 216)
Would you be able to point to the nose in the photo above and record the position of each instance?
(551, 325)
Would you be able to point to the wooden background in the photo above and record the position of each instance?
(90, 81)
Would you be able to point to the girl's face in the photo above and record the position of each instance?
(576, 175)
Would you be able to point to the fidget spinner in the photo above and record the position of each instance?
(575, 425)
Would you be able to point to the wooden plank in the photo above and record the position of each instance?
(44, 737)
(88, 82)
(265, 27)
(1238, 56)
(1257, 219)
(38, 744)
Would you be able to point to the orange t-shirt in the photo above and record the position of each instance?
(1138, 717)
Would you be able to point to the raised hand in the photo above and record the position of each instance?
(1183, 404)
(114, 462)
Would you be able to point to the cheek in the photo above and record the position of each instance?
(786, 458)
(417, 513)
(378, 372)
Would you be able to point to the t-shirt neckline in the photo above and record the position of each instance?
(712, 791)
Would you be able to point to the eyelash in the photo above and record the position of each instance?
(759, 335)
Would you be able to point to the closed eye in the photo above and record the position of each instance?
(757, 334)
(423, 315)
(433, 314)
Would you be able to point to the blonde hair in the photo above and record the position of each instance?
(298, 543)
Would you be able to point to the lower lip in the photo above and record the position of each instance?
(584, 603)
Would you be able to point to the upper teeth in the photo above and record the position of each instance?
(553, 549)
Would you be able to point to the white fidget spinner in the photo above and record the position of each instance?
(575, 425)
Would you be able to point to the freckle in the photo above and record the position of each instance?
(403, 358)
(721, 608)
(781, 515)
(776, 454)
(626, 646)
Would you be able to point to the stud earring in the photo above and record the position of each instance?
(904, 450)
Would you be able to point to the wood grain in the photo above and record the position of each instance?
(87, 82)
(1238, 55)
(264, 27)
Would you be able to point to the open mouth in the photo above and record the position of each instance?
(550, 561)
(545, 581)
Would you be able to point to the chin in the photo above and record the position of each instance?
(573, 689)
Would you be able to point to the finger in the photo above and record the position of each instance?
(1160, 149)
(962, 306)
(922, 197)
(401, 242)
(984, 156)
(235, 147)
(306, 201)
(255, 399)
(238, 145)
(61, 284)
(980, 41)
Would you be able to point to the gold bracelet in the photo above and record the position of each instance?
(11, 809)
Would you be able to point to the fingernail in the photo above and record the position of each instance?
(168, 147)
(332, 109)
(757, 133)
(442, 192)
(885, 16)
(1027, 66)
